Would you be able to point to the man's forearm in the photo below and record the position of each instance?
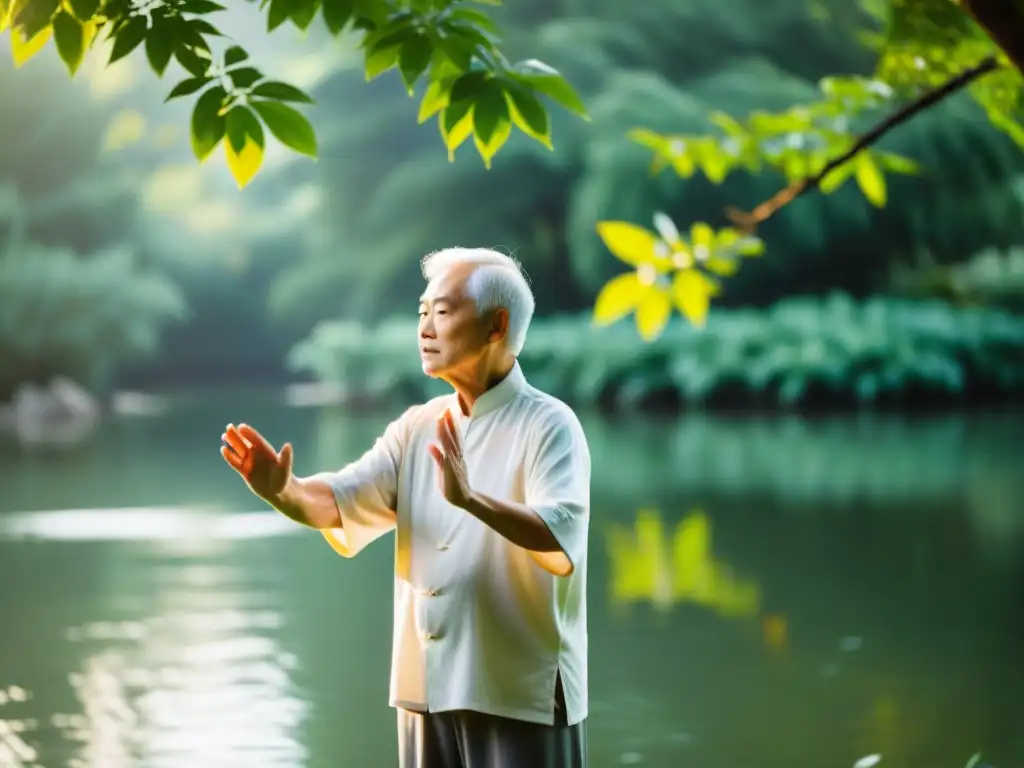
(309, 501)
(516, 522)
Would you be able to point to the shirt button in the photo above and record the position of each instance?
(441, 546)
(427, 636)
(429, 592)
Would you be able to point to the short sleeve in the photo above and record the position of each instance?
(366, 492)
(558, 482)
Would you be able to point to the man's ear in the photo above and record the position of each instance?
(498, 328)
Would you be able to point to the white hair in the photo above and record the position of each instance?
(497, 282)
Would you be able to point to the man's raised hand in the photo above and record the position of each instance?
(265, 470)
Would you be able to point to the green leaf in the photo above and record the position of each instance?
(529, 115)
(469, 86)
(69, 37)
(476, 18)
(415, 55)
(548, 81)
(619, 296)
(187, 86)
(870, 179)
(897, 163)
(490, 109)
(491, 124)
(289, 126)
(836, 178)
(272, 89)
(84, 10)
(190, 60)
(303, 12)
(208, 124)
(33, 16)
(128, 38)
(434, 100)
(459, 50)
(244, 147)
(243, 77)
(728, 124)
(202, 6)
(337, 14)
(235, 55)
(159, 45)
(278, 14)
(380, 60)
(203, 27)
(456, 121)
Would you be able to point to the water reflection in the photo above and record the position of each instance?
(180, 663)
(646, 564)
(190, 687)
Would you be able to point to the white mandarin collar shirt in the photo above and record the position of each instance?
(478, 623)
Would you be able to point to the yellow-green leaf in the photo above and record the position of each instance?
(244, 147)
(898, 163)
(702, 237)
(22, 50)
(529, 115)
(653, 313)
(458, 133)
(434, 100)
(750, 245)
(499, 135)
(632, 244)
(870, 179)
(692, 293)
(835, 178)
(244, 164)
(620, 296)
(721, 265)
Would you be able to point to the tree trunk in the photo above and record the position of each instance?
(1003, 20)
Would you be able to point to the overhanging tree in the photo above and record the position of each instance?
(450, 49)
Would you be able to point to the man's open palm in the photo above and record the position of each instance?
(254, 458)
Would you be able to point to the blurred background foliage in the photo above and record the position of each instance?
(850, 303)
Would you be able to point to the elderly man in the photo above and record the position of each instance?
(488, 490)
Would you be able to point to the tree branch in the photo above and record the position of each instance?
(1003, 21)
(749, 221)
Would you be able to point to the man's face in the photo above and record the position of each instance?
(451, 335)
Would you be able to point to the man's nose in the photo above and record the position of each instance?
(426, 328)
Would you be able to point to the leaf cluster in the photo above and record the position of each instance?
(449, 45)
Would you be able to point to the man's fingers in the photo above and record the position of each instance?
(235, 441)
(436, 453)
(255, 439)
(285, 457)
(231, 458)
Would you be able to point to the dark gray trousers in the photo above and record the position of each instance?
(464, 739)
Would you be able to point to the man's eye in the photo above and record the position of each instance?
(442, 312)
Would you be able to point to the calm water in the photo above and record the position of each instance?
(767, 593)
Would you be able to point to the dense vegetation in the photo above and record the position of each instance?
(802, 352)
(75, 299)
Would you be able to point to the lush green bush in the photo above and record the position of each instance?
(801, 352)
(63, 314)
(992, 276)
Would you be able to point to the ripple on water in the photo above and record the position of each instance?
(192, 675)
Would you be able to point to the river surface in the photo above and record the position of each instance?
(768, 592)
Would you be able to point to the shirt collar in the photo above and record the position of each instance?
(494, 398)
